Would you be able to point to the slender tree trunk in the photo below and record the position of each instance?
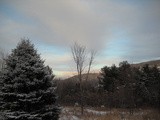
(110, 101)
(81, 94)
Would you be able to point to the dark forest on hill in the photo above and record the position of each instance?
(124, 86)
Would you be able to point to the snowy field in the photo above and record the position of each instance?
(72, 113)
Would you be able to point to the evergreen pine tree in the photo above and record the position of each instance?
(108, 77)
(27, 90)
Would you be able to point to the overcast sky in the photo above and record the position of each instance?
(118, 29)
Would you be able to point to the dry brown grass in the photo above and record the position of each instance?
(114, 114)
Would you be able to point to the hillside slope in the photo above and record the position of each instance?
(150, 63)
(91, 76)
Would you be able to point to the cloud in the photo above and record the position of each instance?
(90, 22)
(136, 22)
(98, 24)
(63, 22)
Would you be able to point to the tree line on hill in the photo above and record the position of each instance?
(122, 87)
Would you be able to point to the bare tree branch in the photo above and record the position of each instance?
(79, 54)
(92, 56)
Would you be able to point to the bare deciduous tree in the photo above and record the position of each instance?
(79, 53)
(91, 59)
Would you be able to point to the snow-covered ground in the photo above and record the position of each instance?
(73, 113)
(68, 113)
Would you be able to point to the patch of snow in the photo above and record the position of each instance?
(75, 118)
(69, 117)
(68, 114)
(97, 112)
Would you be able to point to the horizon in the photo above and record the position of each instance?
(117, 30)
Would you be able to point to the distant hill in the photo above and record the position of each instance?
(150, 63)
(91, 76)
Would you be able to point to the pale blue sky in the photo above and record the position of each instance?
(118, 29)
